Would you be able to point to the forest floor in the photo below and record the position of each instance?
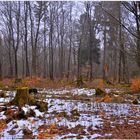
(76, 113)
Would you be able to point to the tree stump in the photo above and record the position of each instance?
(22, 97)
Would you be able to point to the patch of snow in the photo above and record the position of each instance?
(88, 92)
(2, 116)
(38, 113)
(107, 90)
(32, 107)
(95, 136)
(131, 122)
(25, 109)
(83, 120)
(21, 125)
(67, 135)
(107, 134)
(5, 100)
(87, 116)
(11, 93)
(116, 95)
(74, 91)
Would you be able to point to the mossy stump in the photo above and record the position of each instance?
(22, 97)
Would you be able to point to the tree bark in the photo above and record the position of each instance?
(104, 55)
(51, 69)
(45, 55)
(25, 38)
(70, 39)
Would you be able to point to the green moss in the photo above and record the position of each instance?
(42, 106)
(18, 80)
(99, 92)
(23, 97)
(2, 94)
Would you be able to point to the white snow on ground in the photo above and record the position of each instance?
(27, 108)
(58, 105)
(95, 135)
(110, 108)
(38, 113)
(84, 120)
(74, 91)
(6, 135)
(11, 93)
(61, 137)
(88, 92)
(5, 100)
(22, 124)
(107, 90)
(2, 116)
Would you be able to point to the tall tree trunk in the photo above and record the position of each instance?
(12, 41)
(51, 70)
(1, 58)
(79, 61)
(45, 55)
(91, 46)
(104, 54)
(122, 63)
(10, 73)
(120, 48)
(70, 39)
(16, 64)
(23, 62)
(25, 38)
(137, 7)
(115, 65)
(0, 70)
(32, 43)
(62, 43)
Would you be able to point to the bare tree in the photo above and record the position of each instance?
(70, 40)
(51, 48)
(26, 37)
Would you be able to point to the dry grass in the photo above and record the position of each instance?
(106, 99)
(96, 83)
(135, 86)
(3, 125)
(36, 82)
(56, 83)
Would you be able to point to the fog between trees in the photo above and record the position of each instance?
(70, 40)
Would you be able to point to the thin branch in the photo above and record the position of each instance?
(119, 22)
